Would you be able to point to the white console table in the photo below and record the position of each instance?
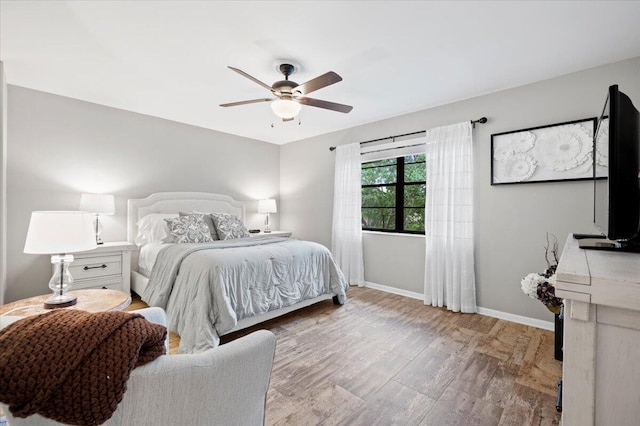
(601, 365)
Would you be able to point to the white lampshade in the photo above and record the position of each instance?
(285, 108)
(60, 233)
(267, 206)
(98, 203)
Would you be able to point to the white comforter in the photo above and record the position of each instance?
(207, 288)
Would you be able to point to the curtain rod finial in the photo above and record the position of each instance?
(332, 148)
(480, 120)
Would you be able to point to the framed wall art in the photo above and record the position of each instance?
(556, 152)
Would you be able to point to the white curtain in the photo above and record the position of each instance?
(449, 263)
(346, 234)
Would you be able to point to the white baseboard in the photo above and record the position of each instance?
(533, 322)
(398, 291)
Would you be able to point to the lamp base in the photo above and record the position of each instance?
(60, 301)
(98, 229)
(267, 228)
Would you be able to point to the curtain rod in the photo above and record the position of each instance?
(480, 120)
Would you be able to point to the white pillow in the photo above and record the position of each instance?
(153, 229)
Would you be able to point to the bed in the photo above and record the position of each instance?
(214, 288)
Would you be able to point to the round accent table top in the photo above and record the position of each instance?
(90, 300)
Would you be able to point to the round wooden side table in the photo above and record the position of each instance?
(90, 300)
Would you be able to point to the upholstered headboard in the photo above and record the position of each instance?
(174, 202)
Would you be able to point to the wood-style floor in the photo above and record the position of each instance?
(383, 359)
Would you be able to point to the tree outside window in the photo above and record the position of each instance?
(393, 194)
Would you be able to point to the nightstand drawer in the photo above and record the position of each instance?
(88, 271)
(113, 282)
(94, 267)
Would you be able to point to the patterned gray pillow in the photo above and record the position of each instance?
(206, 217)
(189, 229)
(229, 226)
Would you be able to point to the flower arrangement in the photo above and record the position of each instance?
(541, 286)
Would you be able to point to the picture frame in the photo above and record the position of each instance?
(554, 152)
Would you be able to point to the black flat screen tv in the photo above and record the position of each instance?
(617, 198)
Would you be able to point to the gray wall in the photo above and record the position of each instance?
(3, 182)
(510, 220)
(60, 147)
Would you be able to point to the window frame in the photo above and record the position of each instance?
(399, 186)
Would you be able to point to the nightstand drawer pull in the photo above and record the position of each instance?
(86, 268)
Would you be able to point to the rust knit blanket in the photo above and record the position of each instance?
(72, 366)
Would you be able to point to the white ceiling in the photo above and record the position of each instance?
(169, 58)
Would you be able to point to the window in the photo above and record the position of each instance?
(393, 194)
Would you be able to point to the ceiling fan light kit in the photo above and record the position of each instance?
(285, 108)
(290, 95)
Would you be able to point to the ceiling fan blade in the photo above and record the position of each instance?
(318, 83)
(266, 86)
(252, 101)
(325, 104)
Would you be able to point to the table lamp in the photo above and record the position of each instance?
(98, 204)
(59, 234)
(266, 207)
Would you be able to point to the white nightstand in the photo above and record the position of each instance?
(273, 234)
(108, 266)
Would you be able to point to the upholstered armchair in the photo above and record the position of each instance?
(222, 386)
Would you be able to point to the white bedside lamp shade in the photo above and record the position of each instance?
(59, 234)
(267, 206)
(98, 203)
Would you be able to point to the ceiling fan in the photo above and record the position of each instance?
(289, 94)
